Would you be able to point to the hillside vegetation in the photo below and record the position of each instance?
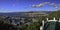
(34, 26)
(55, 14)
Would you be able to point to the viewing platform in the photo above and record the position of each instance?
(50, 24)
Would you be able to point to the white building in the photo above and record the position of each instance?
(43, 22)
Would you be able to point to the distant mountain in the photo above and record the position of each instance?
(23, 14)
(12, 14)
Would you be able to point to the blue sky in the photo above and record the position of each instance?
(26, 5)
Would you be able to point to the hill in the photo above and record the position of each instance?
(26, 14)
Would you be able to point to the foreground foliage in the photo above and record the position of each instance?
(34, 26)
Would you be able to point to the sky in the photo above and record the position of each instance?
(29, 5)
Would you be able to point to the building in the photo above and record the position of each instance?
(50, 25)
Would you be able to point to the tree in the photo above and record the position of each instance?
(55, 14)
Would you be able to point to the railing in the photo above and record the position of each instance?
(43, 22)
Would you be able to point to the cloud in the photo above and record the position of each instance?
(58, 5)
(55, 5)
(41, 4)
(46, 3)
